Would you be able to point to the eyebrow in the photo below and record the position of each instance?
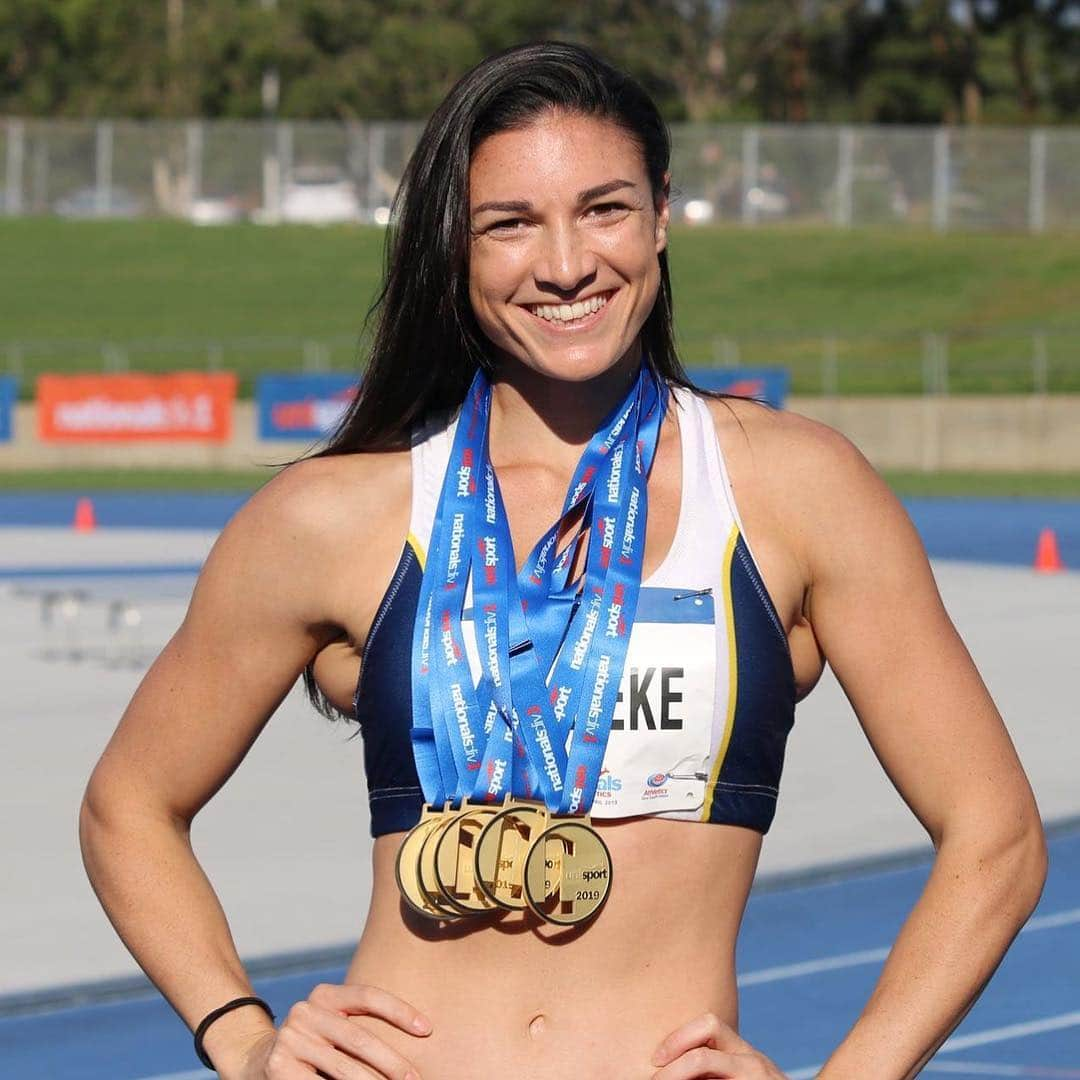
(520, 206)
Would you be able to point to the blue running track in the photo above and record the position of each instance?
(809, 955)
(975, 530)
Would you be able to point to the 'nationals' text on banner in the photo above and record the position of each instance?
(186, 406)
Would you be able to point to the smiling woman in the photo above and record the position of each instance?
(572, 603)
(567, 282)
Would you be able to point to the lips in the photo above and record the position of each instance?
(572, 316)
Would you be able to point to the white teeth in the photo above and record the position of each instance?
(569, 312)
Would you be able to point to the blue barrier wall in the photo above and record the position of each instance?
(309, 406)
(769, 384)
(9, 387)
(302, 406)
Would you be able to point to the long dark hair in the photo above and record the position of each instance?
(427, 344)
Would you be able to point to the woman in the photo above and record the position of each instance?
(539, 185)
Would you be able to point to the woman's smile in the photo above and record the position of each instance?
(573, 316)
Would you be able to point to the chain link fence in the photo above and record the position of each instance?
(975, 362)
(218, 171)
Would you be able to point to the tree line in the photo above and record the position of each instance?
(871, 61)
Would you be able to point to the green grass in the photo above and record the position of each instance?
(1005, 485)
(777, 292)
(1065, 485)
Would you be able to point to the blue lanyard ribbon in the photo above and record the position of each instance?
(552, 652)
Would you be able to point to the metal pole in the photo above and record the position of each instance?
(376, 154)
(16, 146)
(751, 145)
(39, 171)
(845, 175)
(103, 161)
(285, 153)
(271, 79)
(940, 205)
(195, 144)
(1037, 188)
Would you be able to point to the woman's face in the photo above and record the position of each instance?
(563, 264)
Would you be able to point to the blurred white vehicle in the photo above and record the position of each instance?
(768, 201)
(319, 196)
(215, 210)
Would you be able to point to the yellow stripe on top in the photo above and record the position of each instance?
(418, 549)
(733, 673)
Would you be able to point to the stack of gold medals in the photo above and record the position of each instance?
(481, 859)
(508, 787)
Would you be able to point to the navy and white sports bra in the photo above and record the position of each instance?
(708, 691)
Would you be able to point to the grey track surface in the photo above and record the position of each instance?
(286, 841)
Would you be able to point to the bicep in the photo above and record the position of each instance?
(877, 613)
(251, 627)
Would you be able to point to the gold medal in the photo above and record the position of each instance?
(502, 848)
(567, 872)
(407, 867)
(455, 863)
(425, 866)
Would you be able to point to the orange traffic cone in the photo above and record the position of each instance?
(85, 519)
(1047, 556)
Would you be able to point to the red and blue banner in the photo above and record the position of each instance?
(768, 384)
(302, 406)
(9, 391)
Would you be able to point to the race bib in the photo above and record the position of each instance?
(658, 753)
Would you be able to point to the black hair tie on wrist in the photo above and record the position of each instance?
(207, 1020)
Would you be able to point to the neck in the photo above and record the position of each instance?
(535, 418)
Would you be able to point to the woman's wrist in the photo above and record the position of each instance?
(230, 1039)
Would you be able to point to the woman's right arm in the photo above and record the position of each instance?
(264, 604)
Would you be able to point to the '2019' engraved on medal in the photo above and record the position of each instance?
(567, 873)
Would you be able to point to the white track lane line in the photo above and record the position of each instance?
(980, 1068)
(876, 956)
(813, 967)
(982, 1038)
(1011, 1031)
(192, 1074)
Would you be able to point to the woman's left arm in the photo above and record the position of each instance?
(877, 615)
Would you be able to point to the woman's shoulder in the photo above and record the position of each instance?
(318, 500)
(800, 478)
(784, 449)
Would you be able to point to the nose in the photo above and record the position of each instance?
(566, 261)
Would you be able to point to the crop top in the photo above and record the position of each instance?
(707, 697)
